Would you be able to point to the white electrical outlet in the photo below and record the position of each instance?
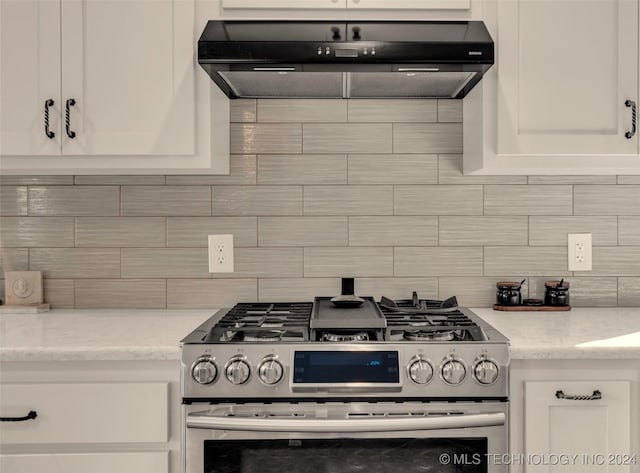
(579, 251)
(221, 253)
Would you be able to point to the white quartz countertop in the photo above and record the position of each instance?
(97, 334)
(607, 333)
(582, 333)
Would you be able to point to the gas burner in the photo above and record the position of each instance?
(266, 336)
(437, 336)
(345, 336)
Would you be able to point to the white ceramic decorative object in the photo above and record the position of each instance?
(23, 288)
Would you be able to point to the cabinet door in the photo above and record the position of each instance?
(565, 70)
(297, 4)
(139, 462)
(129, 67)
(590, 429)
(29, 76)
(411, 4)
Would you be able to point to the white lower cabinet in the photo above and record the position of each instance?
(133, 462)
(91, 417)
(578, 421)
(575, 416)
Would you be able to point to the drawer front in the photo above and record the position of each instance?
(138, 462)
(85, 413)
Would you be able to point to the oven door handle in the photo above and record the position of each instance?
(366, 424)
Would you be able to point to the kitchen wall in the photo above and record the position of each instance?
(318, 190)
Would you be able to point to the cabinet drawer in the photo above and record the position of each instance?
(138, 462)
(85, 413)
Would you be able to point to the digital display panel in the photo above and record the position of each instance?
(332, 367)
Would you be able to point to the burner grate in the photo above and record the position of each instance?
(247, 321)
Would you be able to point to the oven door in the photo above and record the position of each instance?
(380, 437)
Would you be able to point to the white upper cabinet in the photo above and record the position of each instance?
(341, 4)
(29, 77)
(125, 93)
(566, 69)
(128, 65)
(123, 70)
(559, 98)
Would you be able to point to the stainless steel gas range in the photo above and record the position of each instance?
(340, 386)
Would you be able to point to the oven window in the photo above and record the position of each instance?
(459, 455)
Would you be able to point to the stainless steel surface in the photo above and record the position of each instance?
(493, 417)
(407, 423)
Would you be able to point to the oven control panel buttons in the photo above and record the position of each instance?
(453, 371)
(237, 371)
(204, 370)
(270, 371)
(420, 370)
(485, 371)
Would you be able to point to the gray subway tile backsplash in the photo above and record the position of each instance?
(37, 232)
(528, 200)
(188, 232)
(257, 200)
(393, 111)
(166, 200)
(120, 294)
(445, 138)
(438, 200)
(347, 138)
(302, 169)
(393, 169)
(348, 262)
(302, 111)
(13, 200)
(140, 263)
(319, 190)
(119, 232)
(75, 263)
(552, 231)
(348, 200)
(302, 231)
(485, 231)
(103, 201)
(607, 200)
(437, 261)
(393, 231)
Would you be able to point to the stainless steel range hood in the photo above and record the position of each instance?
(323, 59)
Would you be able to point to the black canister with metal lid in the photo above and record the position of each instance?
(556, 293)
(508, 293)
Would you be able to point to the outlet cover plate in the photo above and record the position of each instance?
(221, 253)
(579, 251)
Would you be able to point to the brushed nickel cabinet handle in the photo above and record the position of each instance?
(31, 415)
(593, 397)
(48, 103)
(630, 134)
(67, 118)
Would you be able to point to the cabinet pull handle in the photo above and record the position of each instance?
(48, 103)
(67, 118)
(29, 416)
(630, 134)
(593, 397)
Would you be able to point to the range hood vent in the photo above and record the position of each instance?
(324, 59)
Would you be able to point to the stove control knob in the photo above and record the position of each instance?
(420, 370)
(270, 371)
(453, 371)
(485, 371)
(237, 371)
(204, 370)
